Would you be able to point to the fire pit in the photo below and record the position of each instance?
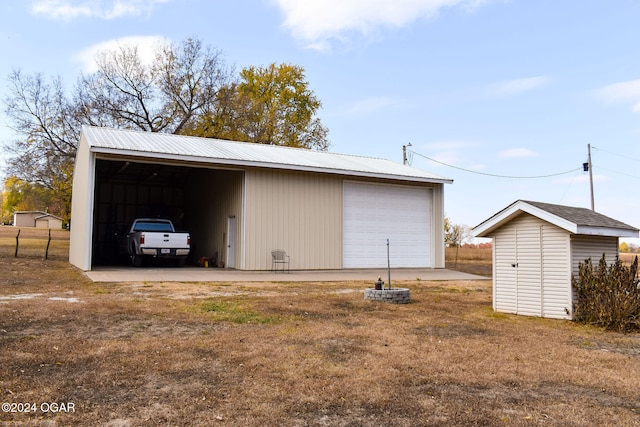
(394, 295)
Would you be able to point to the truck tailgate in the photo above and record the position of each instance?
(165, 240)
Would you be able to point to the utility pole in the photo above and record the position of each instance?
(404, 153)
(590, 176)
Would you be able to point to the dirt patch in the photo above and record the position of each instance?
(628, 345)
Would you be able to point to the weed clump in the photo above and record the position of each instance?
(608, 296)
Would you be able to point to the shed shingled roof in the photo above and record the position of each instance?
(162, 146)
(573, 219)
(581, 216)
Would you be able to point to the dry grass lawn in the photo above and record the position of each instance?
(294, 354)
(627, 258)
(470, 260)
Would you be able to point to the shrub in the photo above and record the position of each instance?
(608, 296)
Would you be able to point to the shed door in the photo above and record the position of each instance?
(518, 269)
(373, 213)
(529, 270)
(505, 259)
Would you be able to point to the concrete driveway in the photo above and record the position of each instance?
(196, 274)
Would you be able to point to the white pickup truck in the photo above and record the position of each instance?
(155, 238)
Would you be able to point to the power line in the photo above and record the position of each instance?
(569, 186)
(615, 154)
(497, 175)
(619, 155)
(617, 172)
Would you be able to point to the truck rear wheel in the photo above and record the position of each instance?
(136, 260)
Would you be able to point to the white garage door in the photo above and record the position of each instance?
(373, 213)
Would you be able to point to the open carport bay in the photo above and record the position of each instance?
(197, 199)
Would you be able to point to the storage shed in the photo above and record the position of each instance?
(240, 201)
(536, 249)
(37, 219)
(49, 221)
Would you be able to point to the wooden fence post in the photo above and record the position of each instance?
(17, 244)
(46, 253)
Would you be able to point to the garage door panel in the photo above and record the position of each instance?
(373, 213)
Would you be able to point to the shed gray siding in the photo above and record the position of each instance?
(584, 247)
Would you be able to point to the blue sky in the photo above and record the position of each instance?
(511, 88)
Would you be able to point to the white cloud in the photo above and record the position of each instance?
(316, 23)
(146, 50)
(103, 9)
(514, 153)
(624, 92)
(515, 86)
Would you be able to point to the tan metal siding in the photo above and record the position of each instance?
(298, 212)
(53, 223)
(214, 196)
(25, 219)
(437, 227)
(82, 207)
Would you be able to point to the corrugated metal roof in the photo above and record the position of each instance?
(217, 151)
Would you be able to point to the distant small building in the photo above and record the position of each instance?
(536, 249)
(36, 219)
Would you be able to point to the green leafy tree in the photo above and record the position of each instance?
(270, 105)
